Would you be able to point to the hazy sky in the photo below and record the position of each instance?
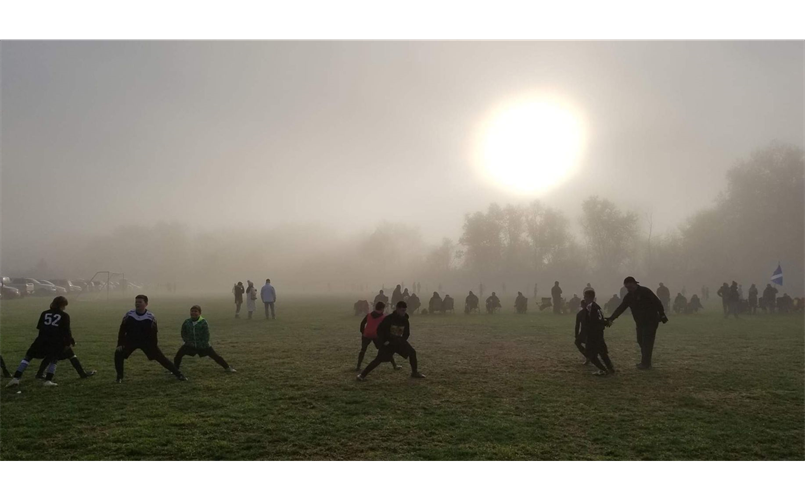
(256, 134)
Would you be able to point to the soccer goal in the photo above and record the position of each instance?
(102, 284)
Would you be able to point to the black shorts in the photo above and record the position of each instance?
(365, 341)
(46, 348)
(151, 349)
(397, 346)
(187, 350)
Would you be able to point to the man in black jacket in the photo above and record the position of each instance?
(392, 334)
(647, 311)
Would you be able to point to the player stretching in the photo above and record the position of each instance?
(369, 333)
(393, 333)
(139, 331)
(196, 336)
(54, 334)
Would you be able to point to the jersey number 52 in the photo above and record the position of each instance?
(52, 319)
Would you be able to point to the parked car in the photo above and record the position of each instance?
(9, 292)
(68, 285)
(26, 286)
(86, 286)
(58, 290)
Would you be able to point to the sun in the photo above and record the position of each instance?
(531, 145)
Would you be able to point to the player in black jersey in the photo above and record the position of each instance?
(54, 335)
(139, 331)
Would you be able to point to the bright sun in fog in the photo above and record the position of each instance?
(531, 146)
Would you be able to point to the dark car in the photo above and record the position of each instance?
(9, 292)
(26, 286)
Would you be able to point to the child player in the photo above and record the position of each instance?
(196, 336)
(593, 326)
(369, 333)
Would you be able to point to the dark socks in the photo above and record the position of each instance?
(78, 368)
(594, 360)
(51, 371)
(607, 362)
(119, 364)
(371, 366)
(162, 360)
(3, 366)
(21, 368)
(217, 358)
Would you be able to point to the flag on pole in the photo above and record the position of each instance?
(777, 277)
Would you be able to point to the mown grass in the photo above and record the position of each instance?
(498, 388)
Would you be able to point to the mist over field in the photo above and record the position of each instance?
(347, 166)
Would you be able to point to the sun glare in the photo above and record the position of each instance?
(532, 145)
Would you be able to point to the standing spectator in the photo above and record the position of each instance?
(556, 295)
(251, 298)
(238, 290)
(268, 296)
(723, 292)
(663, 293)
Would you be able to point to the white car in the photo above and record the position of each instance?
(48, 287)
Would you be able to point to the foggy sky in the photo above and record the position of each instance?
(344, 134)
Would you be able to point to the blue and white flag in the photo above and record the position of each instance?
(777, 277)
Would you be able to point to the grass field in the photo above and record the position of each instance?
(498, 388)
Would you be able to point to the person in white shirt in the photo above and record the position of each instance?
(268, 295)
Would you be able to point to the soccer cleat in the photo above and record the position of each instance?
(14, 382)
(600, 373)
(181, 378)
(417, 375)
(360, 379)
(119, 381)
(50, 383)
(231, 370)
(40, 376)
(397, 367)
(89, 373)
(641, 366)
